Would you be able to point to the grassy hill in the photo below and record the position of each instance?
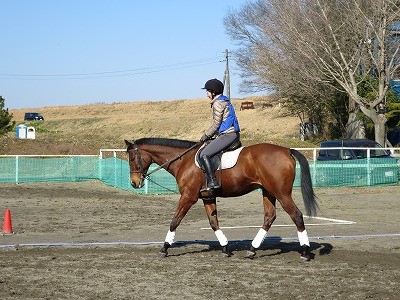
(84, 129)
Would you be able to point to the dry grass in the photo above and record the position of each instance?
(84, 129)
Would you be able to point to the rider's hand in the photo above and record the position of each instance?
(204, 138)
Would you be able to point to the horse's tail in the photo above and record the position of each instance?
(307, 191)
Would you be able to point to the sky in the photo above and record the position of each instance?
(73, 52)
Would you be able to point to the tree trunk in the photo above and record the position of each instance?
(379, 120)
(380, 132)
(354, 128)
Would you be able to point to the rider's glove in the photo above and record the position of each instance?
(204, 138)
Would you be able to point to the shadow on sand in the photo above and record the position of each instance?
(273, 243)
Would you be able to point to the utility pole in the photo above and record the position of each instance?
(227, 81)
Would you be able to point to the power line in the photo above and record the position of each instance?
(118, 73)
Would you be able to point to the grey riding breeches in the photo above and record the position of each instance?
(220, 143)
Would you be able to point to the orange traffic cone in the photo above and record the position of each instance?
(7, 227)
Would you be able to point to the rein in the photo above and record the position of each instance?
(146, 175)
(164, 187)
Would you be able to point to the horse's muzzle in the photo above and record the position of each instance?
(137, 183)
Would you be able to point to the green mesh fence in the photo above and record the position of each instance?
(115, 172)
(112, 171)
(37, 169)
(357, 172)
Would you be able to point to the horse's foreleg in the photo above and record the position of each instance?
(169, 239)
(185, 203)
(211, 209)
(290, 207)
(269, 217)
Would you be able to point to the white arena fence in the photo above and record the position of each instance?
(111, 167)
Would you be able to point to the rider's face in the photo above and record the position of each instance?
(209, 94)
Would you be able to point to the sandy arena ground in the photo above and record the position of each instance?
(90, 241)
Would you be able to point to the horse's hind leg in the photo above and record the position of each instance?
(269, 217)
(211, 209)
(294, 212)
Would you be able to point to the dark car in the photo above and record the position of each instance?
(355, 163)
(340, 152)
(33, 116)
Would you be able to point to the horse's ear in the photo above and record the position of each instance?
(128, 143)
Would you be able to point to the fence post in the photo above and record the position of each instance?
(73, 169)
(314, 175)
(115, 168)
(146, 186)
(368, 167)
(99, 166)
(16, 169)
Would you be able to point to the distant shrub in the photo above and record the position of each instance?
(6, 123)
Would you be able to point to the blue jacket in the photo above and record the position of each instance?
(231, 119)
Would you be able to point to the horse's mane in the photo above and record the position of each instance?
(175, 143)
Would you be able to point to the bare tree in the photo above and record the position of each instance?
(318, 46)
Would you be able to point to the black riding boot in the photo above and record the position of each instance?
(211, 181)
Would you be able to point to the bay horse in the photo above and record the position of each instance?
(264, 166)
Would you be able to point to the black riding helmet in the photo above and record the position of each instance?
(215, 86)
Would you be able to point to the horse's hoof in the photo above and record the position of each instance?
(225, 252)
(305, 253)
(305, 257)
(250, 254)
(164, 250)
(163, 254)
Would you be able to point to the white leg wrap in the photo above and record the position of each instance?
(256, 243)
(170, 237)
(303, 238)
(223, 241)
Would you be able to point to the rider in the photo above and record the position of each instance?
(225, 129)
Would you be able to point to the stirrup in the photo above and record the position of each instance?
(207, 194)
(209, 190)
(212, 185)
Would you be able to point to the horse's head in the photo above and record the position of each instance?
(138, 165)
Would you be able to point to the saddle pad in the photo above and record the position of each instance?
(228, 159)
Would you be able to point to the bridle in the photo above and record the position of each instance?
(139, 162)
(145, 175)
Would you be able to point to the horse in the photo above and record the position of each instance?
(264, 166)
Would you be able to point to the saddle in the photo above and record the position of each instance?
(225, 159)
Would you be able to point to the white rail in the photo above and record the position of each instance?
(394, 151)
